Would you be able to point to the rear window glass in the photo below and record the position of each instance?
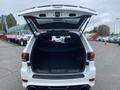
(65, 21)
(59, 23)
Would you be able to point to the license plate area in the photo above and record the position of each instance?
(59, 88)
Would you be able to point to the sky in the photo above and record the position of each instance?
(108, 10)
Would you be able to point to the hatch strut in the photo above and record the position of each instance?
(30, 27)
(85, 26)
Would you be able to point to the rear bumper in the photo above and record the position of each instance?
(59, 83)
(89, 73)
(80, 87)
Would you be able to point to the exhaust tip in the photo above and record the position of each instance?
(92, 79)
(24, 81)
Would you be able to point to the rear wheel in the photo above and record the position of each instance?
(9, 40)
(22, 43)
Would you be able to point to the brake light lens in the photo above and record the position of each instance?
(91, 56)
(25, 56)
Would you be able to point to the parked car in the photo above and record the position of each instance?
(113, 39)
(58, 56)
(117, 40)
(21, 37)
(103, 39)
(99, 38)
(106, 38)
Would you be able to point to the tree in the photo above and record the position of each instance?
(103, 30)
(94, 30)
(0, 25)
(11, 21)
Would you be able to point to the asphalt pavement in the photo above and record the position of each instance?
(10, 64)
(107, 63)
(108, 66)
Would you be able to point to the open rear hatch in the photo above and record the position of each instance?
(57, 17)
(57, 51)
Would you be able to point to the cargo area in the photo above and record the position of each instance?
(58, 53)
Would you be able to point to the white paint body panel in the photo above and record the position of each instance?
(90, 71)
(26, 71)
(35, 10)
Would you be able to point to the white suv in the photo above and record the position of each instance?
(58, 56)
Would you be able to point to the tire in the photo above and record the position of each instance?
(119, 44)
(9, 40)
(22, 43)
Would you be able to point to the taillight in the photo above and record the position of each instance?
(91, 56)
(25, 56)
